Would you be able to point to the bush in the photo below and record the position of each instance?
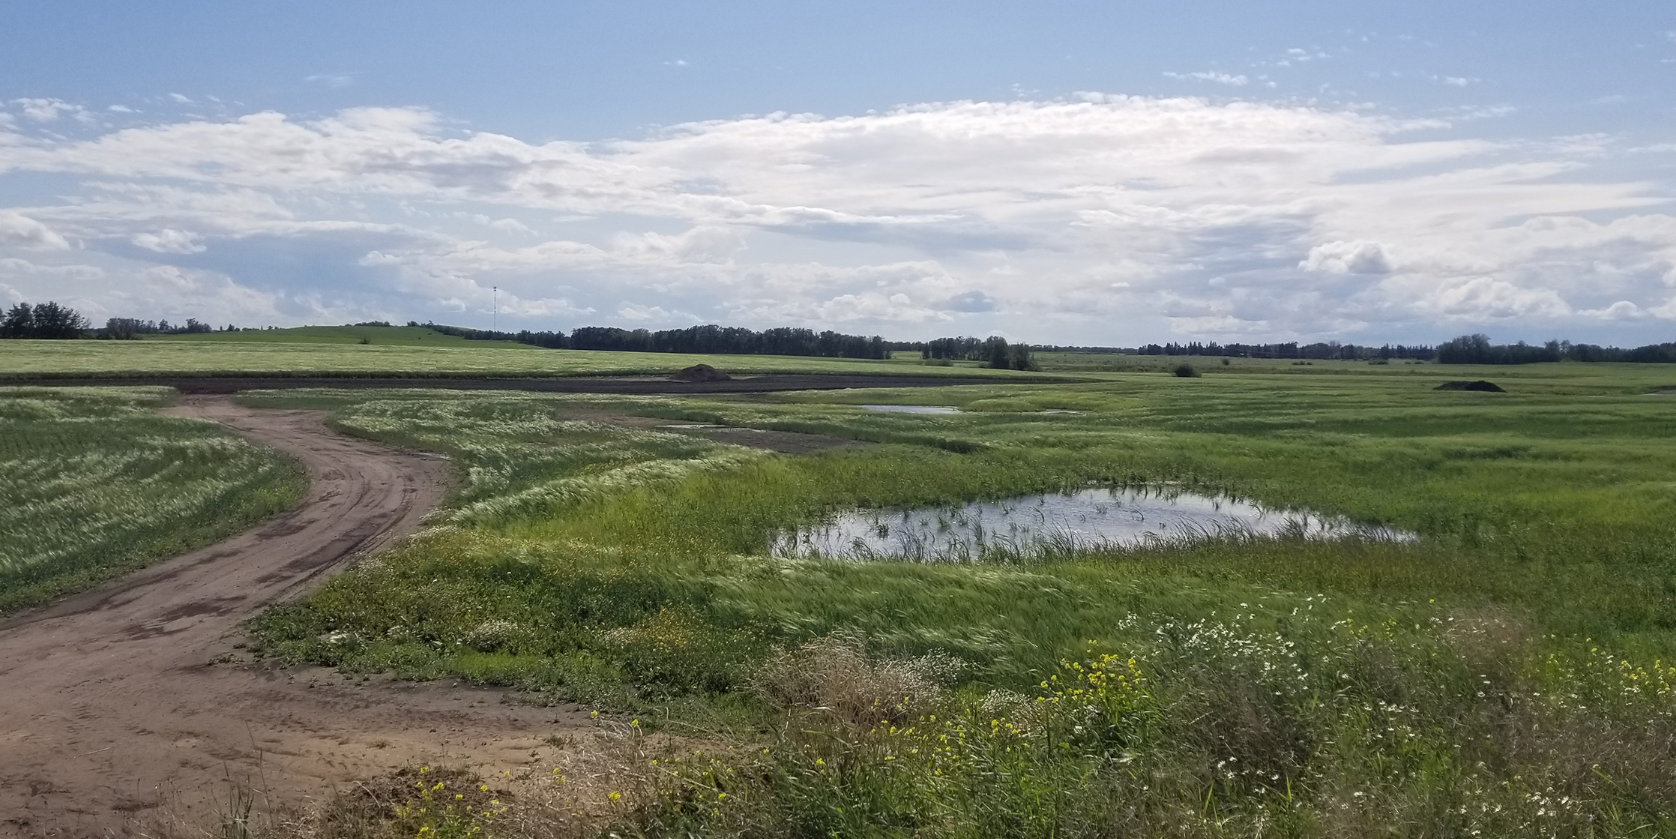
(1185, 371)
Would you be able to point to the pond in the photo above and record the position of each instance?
(1059, 522)
(913, 409)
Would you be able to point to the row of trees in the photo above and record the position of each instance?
(124, 329)
(706, 339)
(42, 320)
(1331, 350)
(993, 351)
(54, 320)
(1477, 349)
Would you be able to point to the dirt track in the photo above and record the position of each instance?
(122, 699)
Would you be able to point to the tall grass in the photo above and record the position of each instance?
(94, 482)
(1507, 673)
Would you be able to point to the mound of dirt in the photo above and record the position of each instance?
(699, 374)
(1480, 385)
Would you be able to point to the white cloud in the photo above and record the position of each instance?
(1091, 212)
(181, 99)
(1211, 76)
(1621, 310)
(14, 267)
(46, 110)
(21, 231)
(337, 81)
(169, 240)
(652, 314)
(1484, 299)
(1359, 257)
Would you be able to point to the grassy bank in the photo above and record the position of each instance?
(1505, 674)
(94, 482)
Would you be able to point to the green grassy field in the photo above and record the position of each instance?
(94, 482)
(1506, 674)
(393, 336)
(337, 352)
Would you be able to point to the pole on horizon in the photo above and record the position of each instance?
(494, 311)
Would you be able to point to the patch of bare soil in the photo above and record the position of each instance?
(1480, 385)
(700, 373)
(119, 700)
(788, 442)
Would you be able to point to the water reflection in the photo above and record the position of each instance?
(1057, 523)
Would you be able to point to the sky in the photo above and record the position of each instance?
(1104, 174)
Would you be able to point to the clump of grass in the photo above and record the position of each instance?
(835, 676)
(1217, 729)
(1185, 371)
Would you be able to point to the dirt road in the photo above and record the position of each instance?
(120, 700)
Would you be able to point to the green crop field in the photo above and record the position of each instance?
(393, 336)
(94, 482)
(1508, 672)
(336, 351)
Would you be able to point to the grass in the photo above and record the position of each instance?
(1507, 674)
(94, 482)
(139, 358)
(394, 336)
(413, 352)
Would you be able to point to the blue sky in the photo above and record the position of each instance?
(1068, 172)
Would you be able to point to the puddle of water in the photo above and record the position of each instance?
(1089, 519)
(913, 409)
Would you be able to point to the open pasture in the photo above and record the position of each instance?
(392, 336)
(333, 351)
(94, 482)
(1507, 673)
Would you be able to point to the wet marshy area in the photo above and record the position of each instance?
(912, 409)
(1058, 523)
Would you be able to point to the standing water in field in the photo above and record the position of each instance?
(912, 409)
(1060, 522)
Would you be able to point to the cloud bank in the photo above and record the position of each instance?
(1101, 219)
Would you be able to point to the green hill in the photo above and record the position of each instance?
(398, 336)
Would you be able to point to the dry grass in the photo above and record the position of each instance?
(833, 676)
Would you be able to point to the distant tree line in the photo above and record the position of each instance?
(993, 351)
(708, 339)
(1477, 349)
(54, 320)
(1330, 350)
(550, 340)
(123, 329)
(42, 320)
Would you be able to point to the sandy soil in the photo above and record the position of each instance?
(134, 696)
